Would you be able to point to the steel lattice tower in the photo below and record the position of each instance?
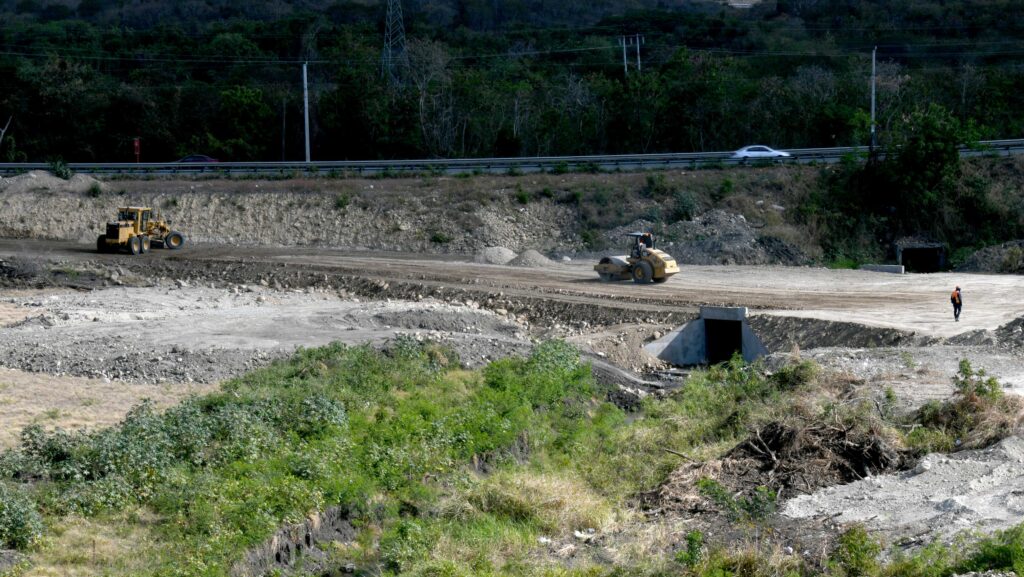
(394, 57)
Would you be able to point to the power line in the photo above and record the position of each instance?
(394, 58)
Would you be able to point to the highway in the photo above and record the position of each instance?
(516, 165)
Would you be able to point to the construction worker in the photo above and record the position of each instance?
(958, 302)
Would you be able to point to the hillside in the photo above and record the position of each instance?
(516, 77)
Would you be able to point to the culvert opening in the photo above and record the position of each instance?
(723, 339)
(923, 259)
(714, 337)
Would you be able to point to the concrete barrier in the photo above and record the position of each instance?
(890, 268)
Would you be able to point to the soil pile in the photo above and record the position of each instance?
(715, 237)
(1012, 333)
(494, 255)
(720, 237)
(787, 461)
(39, 181)
(1006, 258)
(531, 259)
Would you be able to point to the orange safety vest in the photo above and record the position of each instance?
(955, 297)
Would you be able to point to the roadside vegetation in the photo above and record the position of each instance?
(441, 471)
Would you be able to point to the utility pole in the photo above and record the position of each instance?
(625, 63)
(626, 42)
(393, 57)
(305, 105)
(872, 146)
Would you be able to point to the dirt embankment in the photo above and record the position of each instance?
(554, 214)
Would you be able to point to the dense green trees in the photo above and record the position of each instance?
(514, 77)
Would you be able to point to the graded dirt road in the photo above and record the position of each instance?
(917, 303)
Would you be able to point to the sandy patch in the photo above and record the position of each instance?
(73, 403)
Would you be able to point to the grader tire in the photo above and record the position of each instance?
(145, 244)
(174, 240)
(101, 245)
(135, 245)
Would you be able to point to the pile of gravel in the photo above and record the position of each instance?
(714, 237)
(494, 255)
(532, 259)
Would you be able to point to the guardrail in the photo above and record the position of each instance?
(624, 162)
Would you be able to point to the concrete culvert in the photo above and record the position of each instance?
(718, 334)
(921, 256)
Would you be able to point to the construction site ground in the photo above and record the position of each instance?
(83, 336)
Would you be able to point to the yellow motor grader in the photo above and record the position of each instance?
(136, 230)
(644, 263)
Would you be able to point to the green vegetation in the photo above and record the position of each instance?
(441, 471)
(978, 414)
(492, 79)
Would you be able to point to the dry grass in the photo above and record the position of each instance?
(10, 314)
(79, 547)
(557, 504)
(74, 402)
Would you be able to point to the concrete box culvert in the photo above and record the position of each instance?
(921, 257)
(714, 337)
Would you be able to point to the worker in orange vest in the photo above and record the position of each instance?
(958, 302)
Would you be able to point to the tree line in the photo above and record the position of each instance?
(505, 78)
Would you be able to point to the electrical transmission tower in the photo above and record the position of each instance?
(394, 57)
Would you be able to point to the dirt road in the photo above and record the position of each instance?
(918, 303)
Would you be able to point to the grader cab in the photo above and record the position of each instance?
(136, 230)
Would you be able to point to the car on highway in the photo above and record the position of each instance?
(759, 151)
(198, 158)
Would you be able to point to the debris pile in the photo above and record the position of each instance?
(785, 460)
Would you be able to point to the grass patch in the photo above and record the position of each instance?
(442, 471)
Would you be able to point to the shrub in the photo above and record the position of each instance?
(522, 196)
(797, 375)
(440, 238)
(684, 205)
(21, 526)
(60, 169)
(342, 201)
(406, 543)
(724, 190)
(95, 190)
(856, 555)
(977, 415)
(693, 552)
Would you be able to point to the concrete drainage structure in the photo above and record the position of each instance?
(712, 338)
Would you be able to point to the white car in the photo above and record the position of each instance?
(759, 151)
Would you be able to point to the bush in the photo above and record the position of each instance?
(440, 238)
(60, 169)
(342, 201)
(684, 206)
(21, 526)
(856, 555)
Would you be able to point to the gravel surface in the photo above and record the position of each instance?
(186, 334)
(945, 494)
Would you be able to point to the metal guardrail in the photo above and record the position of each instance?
(626, 162)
